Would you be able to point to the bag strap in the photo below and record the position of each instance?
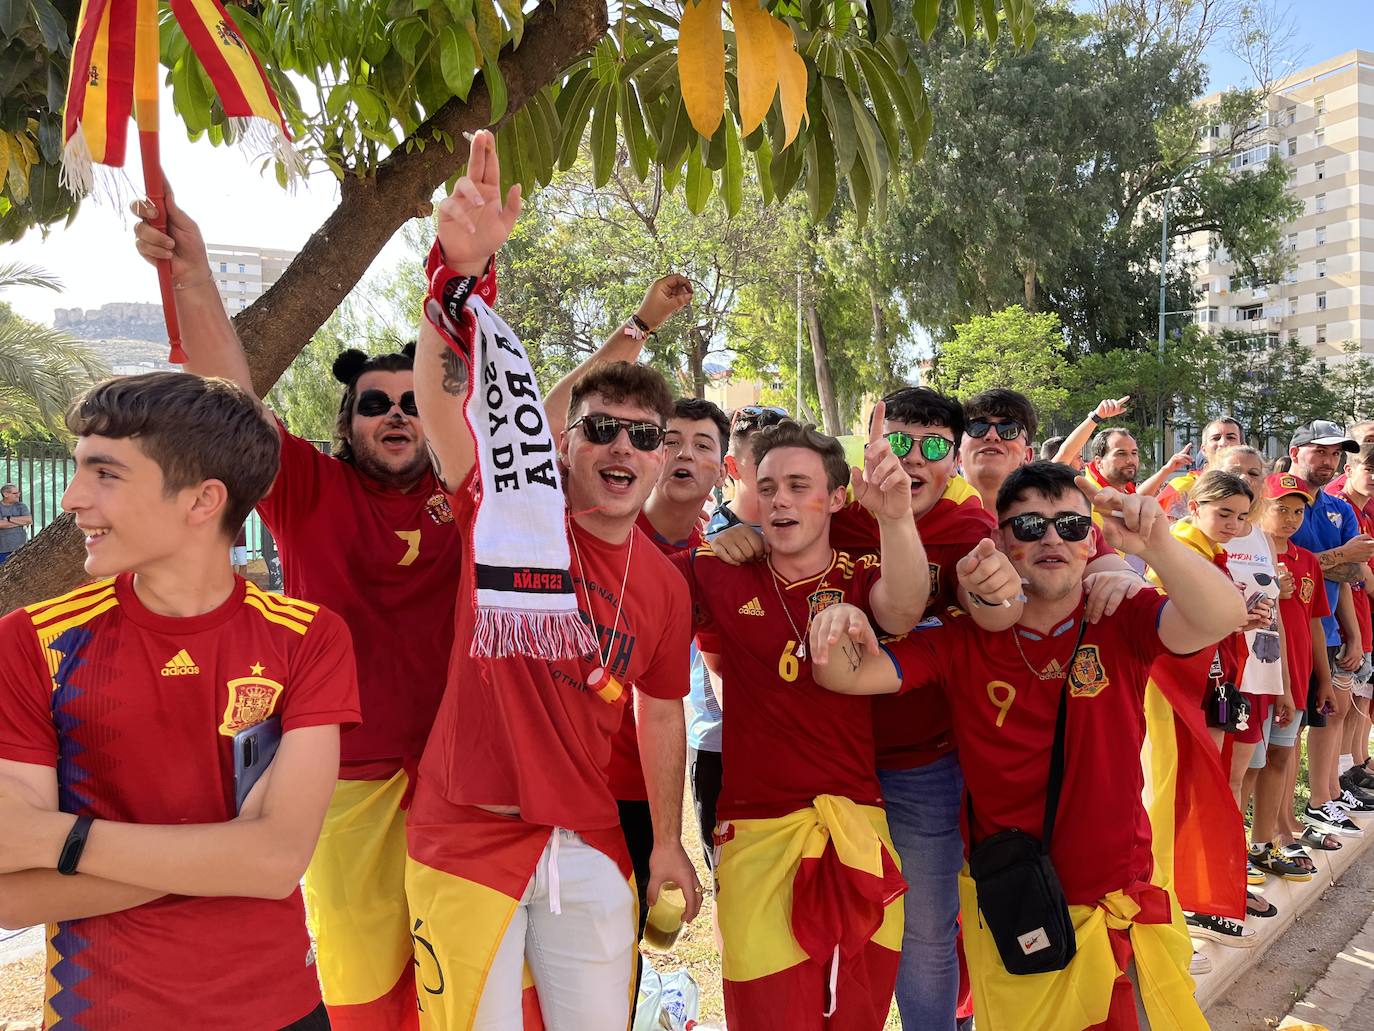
(1061, 721)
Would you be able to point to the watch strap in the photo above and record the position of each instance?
(75, 844)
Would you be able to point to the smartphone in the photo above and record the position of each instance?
(254, 748)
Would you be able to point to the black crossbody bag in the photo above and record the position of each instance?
(1019, 896)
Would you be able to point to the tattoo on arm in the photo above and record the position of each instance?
(455, 375)
(1343, 572)
(851, 653)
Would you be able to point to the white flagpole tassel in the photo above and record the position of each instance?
(260, 137)
(78, 166)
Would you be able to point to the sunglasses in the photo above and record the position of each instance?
(603, 429)
(933, 446)
(1009, 430)
(1031, 526)
(756, 417)
(376, 402)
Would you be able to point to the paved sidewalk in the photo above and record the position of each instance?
(1343, 1000)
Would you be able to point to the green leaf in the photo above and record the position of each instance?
(527, 147)
(880, 102)
(12, 14)
(879, 18)
(515, 16)
(337, 100)
(407, 34)
(861, 192)
(967, 13)
(574, 118)
(496, 89)
(732, 181)
(786, 169)
(713, 150)
(872, 151)
(876, 66)
(489, 29)
(989, 19)
(699, 182)
(820, 165)
(841, 118)
(763, 162)
(507, 152)
(51, 26)
(603, 134)
(927, 14)
(457, 60)
(635, 132)
(544, 125)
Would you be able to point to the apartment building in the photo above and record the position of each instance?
(243, 274)
(1321, 122)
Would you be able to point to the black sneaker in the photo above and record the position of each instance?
(1361, 776)
(1353, 803)
(1348, 785)
(1273, 861)
(1331, 818)
(1219, 929)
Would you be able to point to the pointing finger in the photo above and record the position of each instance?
(876, 422)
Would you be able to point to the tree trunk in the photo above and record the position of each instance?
(1030, 286)
(696, 361)
(279, 324)
(825, 385)
(882, 342)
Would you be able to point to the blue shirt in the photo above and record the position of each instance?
(1329, 523)
(704, 713)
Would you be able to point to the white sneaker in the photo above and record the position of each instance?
(1200, 964)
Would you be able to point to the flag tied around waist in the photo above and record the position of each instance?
(522, 587)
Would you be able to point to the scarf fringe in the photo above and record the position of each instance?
(78, 165)
(261, 137)
(499, 633)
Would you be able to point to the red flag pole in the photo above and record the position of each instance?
(157, 195)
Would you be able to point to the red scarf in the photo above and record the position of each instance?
(1095, 474)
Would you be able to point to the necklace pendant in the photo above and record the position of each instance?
(801, 650)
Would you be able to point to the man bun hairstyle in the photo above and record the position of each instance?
(1004, 404)
(194, 428)
(699, 410)
(623, 383)
(1052, 479)
(926, 406)
(348, 368)
(793, 434)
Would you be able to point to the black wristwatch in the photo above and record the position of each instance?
(1095, 418)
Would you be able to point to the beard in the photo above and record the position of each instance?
(400, 471)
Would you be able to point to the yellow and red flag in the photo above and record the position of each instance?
(114, 75)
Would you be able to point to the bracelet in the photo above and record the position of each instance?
(642, 328)
(1097, 419)
(74, 845)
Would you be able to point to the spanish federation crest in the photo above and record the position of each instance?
(823, 599)
(251, 700)
(1087, 677)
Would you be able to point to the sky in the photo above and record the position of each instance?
(234, 203)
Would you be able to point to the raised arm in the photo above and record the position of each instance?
(1074, 443)
(473, 224)
(667, 296)
(1204, 605)
(882, 486)
(212, 347)
(1179, 462)
(990, 587)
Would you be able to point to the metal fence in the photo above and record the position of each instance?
(42, 469)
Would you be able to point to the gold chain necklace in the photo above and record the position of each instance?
(1054, 673)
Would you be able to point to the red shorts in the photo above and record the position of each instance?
(1260, 704)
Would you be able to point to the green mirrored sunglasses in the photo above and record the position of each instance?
(933, 446)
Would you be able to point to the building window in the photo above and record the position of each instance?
(224, 266)
(241, 269)
(1208, 316)
(1292, 146)
(1321, 170)
(1293, 114)
(1292, 306)
(1252, 311)
(1320, 105)
(1321, 302)
(1319, 138)
(1292, 241)
(1321, 334)
(1319, 202)
(1321, 236)
(1321, 268)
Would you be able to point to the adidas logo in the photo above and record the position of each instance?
(1053, 668)
(180, 665)
(751, 607)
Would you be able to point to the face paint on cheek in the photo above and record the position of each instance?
(1018, 552)
(1085, 548)
(815, 506)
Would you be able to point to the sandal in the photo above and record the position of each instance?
(1299, 855)
(1256, 906)
(1314, 838)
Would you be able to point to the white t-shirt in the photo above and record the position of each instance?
(1251, 561)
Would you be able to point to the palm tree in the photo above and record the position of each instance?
(41, 370)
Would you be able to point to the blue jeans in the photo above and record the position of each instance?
(923, 816)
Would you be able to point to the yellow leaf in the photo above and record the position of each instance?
(756, 62)
(791, 79)
(701, 64)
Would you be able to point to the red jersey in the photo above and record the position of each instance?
(913, 730)
(524, 732)
(625, 772)
(1357, 592)
(386, 561)
(1004, 718)
(1307, 603)
(786, 739)
(138, 714)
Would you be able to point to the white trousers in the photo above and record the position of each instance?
(575, 926)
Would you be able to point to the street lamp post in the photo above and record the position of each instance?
(1163, 301)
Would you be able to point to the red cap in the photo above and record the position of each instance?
(1278, 485)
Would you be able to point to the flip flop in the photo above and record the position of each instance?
(1256, 906)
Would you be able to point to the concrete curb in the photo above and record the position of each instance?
(1293, 899)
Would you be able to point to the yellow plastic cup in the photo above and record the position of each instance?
(665, 917)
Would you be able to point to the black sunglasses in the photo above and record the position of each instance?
(1031, 526)
(756, 417)
(933, 446)
(1009, 430)
(376, 402)
(603, 429)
